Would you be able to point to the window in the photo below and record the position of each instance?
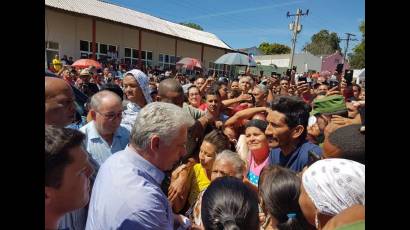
(131, 57)
(219, 68)
(166, 61)
(135, 53)
(102, 51)
(103, 48)
(84, 46)
(52, 49)
(52, 45)
(127, 52)
(112, 48)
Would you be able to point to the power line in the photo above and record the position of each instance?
(296, 28)
(349, 35)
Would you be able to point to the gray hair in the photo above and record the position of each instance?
(97, 98)
(249, 77)
(234, 158)
(159, 118)
(262, 88)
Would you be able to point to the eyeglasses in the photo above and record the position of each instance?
(111, 116)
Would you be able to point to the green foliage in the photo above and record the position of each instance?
(357, 59)
(192, 25)
(274, 48)
(323, 42)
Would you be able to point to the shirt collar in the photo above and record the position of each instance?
(145, 165)
(93, 133)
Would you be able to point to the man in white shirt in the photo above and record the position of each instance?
(104, 135)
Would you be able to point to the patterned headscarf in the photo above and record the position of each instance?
(335, 184)
(143, 82)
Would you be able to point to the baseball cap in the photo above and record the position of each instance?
(328, 105)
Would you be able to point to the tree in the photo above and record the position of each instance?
(323, 42)
(274, 48)
(357, 58)
(192, 25)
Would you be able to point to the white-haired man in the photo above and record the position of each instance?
(104, 135)
(245, 84)
(260, 92)
(127, 192)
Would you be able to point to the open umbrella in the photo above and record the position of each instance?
(189, 63)
(236, 59)
(84, 63)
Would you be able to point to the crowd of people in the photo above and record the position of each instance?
(152, 150)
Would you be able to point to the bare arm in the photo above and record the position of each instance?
(244, 114)
(180, 186)
(270, 96)
(242, 97)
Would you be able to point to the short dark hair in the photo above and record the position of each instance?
(279, 188)
(213, 90)
(296, 111)
(169, 85)
(350, 141)
(229, 204)
(218, 139)
(260, 124)
(113, 88)
(192, 86)
(58, 143)
(236, 92)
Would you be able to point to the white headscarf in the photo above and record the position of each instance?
(143, 82)
(130, 114)
(335, 184)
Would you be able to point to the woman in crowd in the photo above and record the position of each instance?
(330, 186)
(229, 204)
(194, 96)
(258, 149)
(279, 190)
(137, 91)
(200, 174)
(227, 163)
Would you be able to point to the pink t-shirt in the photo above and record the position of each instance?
(255, 170)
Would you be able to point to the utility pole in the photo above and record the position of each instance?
(347, 44)
(295, 28)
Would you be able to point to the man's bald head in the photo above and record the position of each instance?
(169, 85)
(59, 102)
(54, 86)
(170, 91)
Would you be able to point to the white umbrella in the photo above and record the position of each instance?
(236, 59)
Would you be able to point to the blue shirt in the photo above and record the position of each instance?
(297, 160)
(127, 195)
(98, 147)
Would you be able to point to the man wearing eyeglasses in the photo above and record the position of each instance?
(104, 135)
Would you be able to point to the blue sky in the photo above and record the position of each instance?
(243, 24)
